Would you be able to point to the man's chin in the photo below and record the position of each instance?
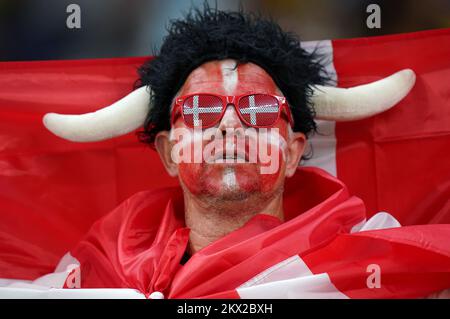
(224, 181)
(231, 195)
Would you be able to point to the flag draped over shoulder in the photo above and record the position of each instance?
(325, 248)
(52, 191)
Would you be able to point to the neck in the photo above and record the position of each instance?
(210, 220)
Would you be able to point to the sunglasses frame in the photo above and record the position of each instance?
(230, 100)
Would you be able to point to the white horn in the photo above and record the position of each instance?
(355, 103)
(119, 118)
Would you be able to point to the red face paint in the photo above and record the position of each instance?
(226, 179)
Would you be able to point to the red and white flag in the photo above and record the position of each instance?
(52, 191)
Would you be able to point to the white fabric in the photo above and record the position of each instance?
(290, 278)
(50, 286)
(323, 144)
(57, 293)
(55, 279)
(381, 220)
(323, 147)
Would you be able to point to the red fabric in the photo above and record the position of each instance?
(51, 190)
(140, 244)
(402, 156)
(414, 261)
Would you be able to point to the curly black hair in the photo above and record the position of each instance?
(210, 34)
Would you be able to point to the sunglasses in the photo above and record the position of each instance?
(205, 110)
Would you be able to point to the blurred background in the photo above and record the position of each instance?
(36, 29)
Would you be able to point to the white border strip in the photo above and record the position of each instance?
(323, 144)
(291, 279)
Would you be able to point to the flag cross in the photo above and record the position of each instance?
(196, 110)
(253, 109)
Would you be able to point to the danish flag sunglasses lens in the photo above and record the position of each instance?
(202, 110)
(259, 109)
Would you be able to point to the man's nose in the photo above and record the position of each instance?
(230, 120)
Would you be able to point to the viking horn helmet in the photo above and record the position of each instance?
(330, 103)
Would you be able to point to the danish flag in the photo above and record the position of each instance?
(52, 191)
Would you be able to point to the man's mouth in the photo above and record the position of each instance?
(231, 157)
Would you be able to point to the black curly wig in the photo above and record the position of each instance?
(210, 34)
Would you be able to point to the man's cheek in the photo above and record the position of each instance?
(189, 175)
(247, 177)
(187, 145)
(272, 147)
(271, 172)
(201, 178)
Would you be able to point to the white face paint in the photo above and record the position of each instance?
(230, 80)
(229, 178)
(229, 76)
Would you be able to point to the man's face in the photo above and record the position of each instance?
(225, 178)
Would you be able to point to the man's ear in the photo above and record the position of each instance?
(164, 147)
(295, 148)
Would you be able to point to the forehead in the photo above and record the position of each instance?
(227, 78)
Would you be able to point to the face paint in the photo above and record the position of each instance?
(229, 76)
(232, 180)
